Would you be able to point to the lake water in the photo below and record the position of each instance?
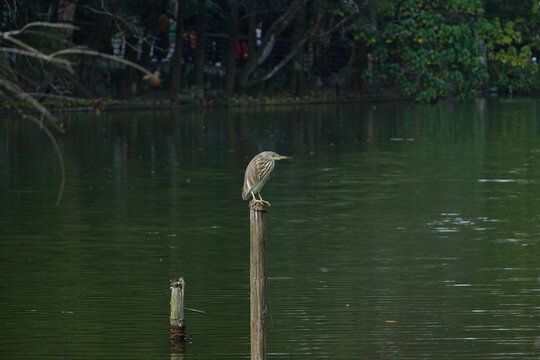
(398, 231)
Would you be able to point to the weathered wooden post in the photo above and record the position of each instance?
(257, 273)
(177, 327)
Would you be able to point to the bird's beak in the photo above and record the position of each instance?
(283, 157)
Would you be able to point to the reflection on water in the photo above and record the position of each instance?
(399, 231)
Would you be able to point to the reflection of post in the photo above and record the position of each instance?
(178, 351)
(257, 273)
(177, 328)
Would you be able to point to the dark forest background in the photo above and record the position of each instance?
(65, 51)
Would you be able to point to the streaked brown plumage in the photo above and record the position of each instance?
(257, 174)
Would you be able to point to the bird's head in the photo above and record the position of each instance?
(276, 156)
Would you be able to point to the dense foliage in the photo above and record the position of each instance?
(434, 48)
(419, 49)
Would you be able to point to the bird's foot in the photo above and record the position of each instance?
(261, 201)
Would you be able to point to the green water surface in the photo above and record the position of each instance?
(398, 231)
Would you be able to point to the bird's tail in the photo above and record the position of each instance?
(245, 193)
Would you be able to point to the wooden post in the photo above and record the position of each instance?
(177, 327)
(257, 273)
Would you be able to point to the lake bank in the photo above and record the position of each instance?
(206, 99)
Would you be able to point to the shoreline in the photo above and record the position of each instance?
(161, 103)
(99, 105)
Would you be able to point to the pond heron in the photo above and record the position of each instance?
(257, 174)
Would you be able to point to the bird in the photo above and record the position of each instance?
(257, 174)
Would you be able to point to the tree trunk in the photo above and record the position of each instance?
(268, 42)
(357, 62)
(66, 14)
(131, 55)
(296, 80)
(102, 32)
(176, 64)
(231, 49)
(252, 16)
(315, 24)
(201, 42)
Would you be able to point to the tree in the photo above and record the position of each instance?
(252, 23)
(201, 43)
(66, 14)
(510, 30)
(296, 80)
(230, 73)
(268, 42)
(131, 55)
(246, 77)
(427, 48)
(176, 67)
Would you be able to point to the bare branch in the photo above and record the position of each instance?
(11, 90)
(29, 50)
(19, 93)
(81, 51)
(152, 77)
(49, 24)
(57, 97)
(38, 55)
(39, 23)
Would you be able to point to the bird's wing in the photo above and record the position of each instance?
(249, 179)
(263, 168)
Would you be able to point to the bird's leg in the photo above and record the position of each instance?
(259, 200)
(263, 201)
